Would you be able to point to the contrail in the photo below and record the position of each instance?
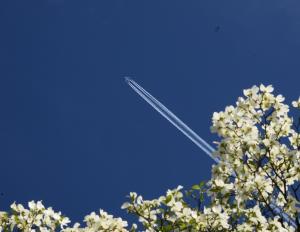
(172, 118)
(187, 131)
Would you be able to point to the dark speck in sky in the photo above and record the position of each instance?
(217, 28)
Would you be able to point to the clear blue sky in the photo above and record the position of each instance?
(76, 136)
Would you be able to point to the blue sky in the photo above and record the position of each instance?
(76, 136)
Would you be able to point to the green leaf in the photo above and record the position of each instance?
(202, 183)
(168, 199)
(196, 187)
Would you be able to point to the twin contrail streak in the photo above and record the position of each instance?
(187, 131)
(172, 118)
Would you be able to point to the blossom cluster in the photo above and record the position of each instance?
(259, 172)
(35, 218)
(172, 213)
(100, 222)
(254, 187)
